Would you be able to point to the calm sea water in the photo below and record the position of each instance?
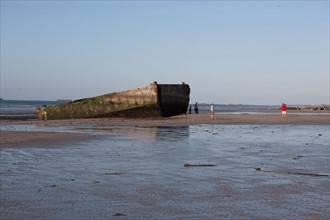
(21, 109)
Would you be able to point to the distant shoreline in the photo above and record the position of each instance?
(192, 104)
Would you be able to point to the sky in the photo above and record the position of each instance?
(229, 52)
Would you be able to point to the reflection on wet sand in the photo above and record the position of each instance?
(155, 133)
(189, 172)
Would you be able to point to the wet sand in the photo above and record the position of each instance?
(240, 167)
(193, 119)
(12, 139)
(23, 139)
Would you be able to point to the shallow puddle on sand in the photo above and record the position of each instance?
(138, 172)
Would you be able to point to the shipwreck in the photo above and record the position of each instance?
(154, 100)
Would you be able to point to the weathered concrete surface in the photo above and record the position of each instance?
(149, 101)
(173, 99)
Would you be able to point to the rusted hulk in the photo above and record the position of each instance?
(155, 100)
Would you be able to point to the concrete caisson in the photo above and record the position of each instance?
(154, 100)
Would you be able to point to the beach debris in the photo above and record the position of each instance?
(309, 174)
(199, 165)
(119, 214)
(41, 113)
(115, 173)
(294, 172)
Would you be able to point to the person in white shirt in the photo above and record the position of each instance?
(212, 111)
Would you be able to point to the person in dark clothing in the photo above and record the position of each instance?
(196, 108)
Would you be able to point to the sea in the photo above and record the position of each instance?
(21, 109)
(25, 109)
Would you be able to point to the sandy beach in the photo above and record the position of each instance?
(25, 138)
(304, 117)
(257, 166)
(22, 139)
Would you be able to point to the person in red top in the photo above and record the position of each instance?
(283, 110)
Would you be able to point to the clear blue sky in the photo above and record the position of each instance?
(229, 52)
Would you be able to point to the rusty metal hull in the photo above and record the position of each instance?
(155, 100)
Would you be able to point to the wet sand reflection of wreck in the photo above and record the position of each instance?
(155, 100)
(150, 133)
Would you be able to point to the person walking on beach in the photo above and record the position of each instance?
(212, 111)
(283, 110)
(196, 108)
(189, 109)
